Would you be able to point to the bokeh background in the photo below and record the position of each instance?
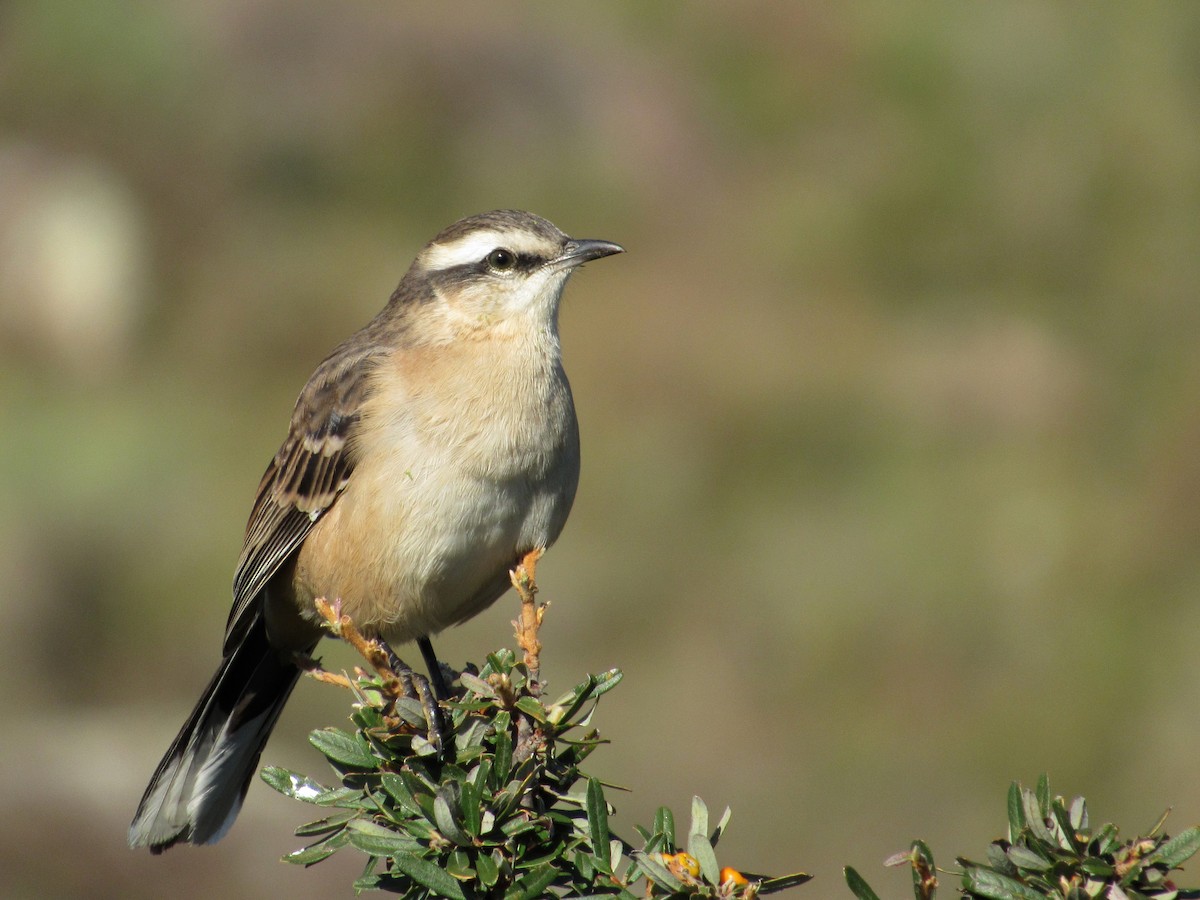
(891, 413)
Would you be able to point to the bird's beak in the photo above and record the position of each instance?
(576, 253)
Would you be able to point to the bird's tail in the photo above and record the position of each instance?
(198, 787)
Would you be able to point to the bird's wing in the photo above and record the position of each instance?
(306, 476)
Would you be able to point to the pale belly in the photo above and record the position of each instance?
(409, 552)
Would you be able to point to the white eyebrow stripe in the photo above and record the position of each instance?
(471, 248)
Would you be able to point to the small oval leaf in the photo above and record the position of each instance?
(597, 815)
(343, 748)
(429, 875)
(858, 887)
(1178, 849)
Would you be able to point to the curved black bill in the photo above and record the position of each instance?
(576, 253)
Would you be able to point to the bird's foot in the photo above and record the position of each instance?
(416, 686)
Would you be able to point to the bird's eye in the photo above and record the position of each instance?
(501, 260)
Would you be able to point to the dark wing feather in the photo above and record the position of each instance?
(306, 476)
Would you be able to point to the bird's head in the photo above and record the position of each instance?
(500, 269)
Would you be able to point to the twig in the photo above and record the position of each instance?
(373, 651)
(526, 627)
(342, 626)
(313, 669)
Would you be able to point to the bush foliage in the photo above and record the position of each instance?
(1052, 851)
(488, 798)
(485, 796)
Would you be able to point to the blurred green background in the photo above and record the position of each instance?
(891, 489)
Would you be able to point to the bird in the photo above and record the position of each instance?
(426, 455)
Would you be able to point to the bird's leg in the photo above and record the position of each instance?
(388, 664)
(401, 669)
(416, 687)
(436, 677)
(433, 712)
(440, 734)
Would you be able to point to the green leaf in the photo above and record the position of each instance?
(329, 823)
(1064, 834)
(510, 798)
(1016, 812)
(292, 784)
(477, 685)
(533, 708)
(615, 851)
(533, 885)
(552, 852)
(657, 872)
(664, 824)
(469, 804)
(597, 815)
(699, 817)
(423, 747)
(1106, 839)
(445, 801)
(995, 886)
(1043, 794)
(375, 839)
(500, 662)
(428, 875)
(585, 865)
(344, 748)
(365, 883)
(1079, 815)
(721, 826)
(418, 778)
(1033, 817)
(367, 718)
(458, 865)
(322, 849)
(310, 855)
(520, 825)
(398, 790)
(345, 798)
(1024, 858)
(1178, 849)
(654, 844)
(699, 847)
(783, 882)
(1098, 867)
(487, 821)
(599, 863)
(564, 708)
(412, 712)
(606, 681)
(481, 777)
(488, 871)
(858, 886)
(502, 760)
(999, 859)
(470, 740)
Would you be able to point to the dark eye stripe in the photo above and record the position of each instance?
(526, 262)
(522, 262)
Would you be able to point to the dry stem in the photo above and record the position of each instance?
(371, 650)
(526, 627)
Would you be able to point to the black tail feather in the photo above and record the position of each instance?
(199, 785)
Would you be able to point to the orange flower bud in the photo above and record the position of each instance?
(730, 874)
